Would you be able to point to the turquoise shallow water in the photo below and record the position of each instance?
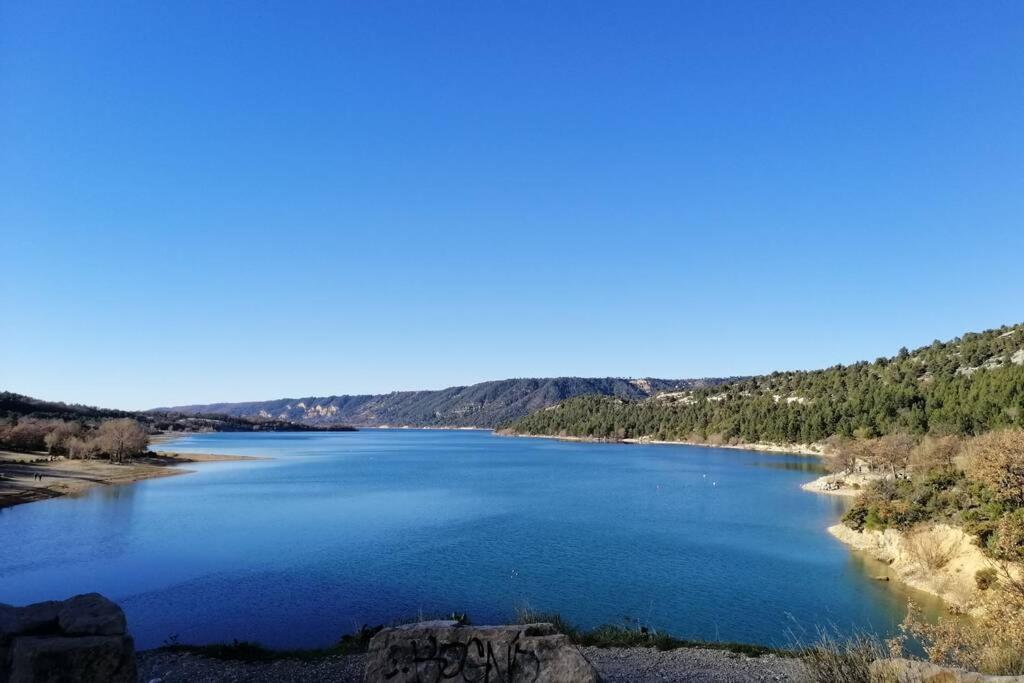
(339, 530)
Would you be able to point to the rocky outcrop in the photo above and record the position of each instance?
(935, 558)
(83, 639)
(444, 650)
(849, 484)
(912, 671)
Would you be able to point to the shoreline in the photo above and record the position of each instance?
(845, 485)
(65, 477)
(953, 582)
(781, 449)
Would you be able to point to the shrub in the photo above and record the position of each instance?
(856, 516)
(986, 578)
(930, 550)
(997, 460)
(1007, 542)
(992, 643)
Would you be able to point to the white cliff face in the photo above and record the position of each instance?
(319, 411)
(1015, 358)
(643, 385)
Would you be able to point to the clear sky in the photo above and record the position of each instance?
(205, 201)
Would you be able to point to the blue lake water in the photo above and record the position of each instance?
(344, 529)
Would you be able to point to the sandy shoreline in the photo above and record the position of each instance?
(782, 449)
(28, 477)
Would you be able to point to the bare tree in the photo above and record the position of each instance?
(935, 453)
(845, 455)
(29, 434)
(892, 452)
(121, 439)
(57, 440)
(80, 448)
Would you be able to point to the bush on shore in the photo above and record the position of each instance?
(978, 485)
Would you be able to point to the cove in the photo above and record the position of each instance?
(337, 530)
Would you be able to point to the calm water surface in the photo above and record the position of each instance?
(344, 529)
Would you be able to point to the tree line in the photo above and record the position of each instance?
(118, 439)
(970, 385)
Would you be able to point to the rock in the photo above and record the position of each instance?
(57, 659)
(911, 671)
(8, 621)
(436, 650)
(81, 639)
(91, 615)
(38, 618)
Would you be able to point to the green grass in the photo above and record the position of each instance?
(611, 635)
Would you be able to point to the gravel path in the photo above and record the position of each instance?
(165, 667)
(627, 665)
(617, 665)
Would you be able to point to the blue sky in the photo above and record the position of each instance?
(228, 201)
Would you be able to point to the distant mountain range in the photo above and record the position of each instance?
(18, 406)
(487, 404)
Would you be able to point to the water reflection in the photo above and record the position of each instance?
(885, 579)
(809, 465)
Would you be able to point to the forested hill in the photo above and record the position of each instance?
(965, 386)
(487, 404)
(14, 407)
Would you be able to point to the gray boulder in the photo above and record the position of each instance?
(38, 618)
(444, 650)
(91, 615)
(81, 640)
(88, 659)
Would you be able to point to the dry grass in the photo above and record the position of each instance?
(932, 549)
(992, 643)
(834, 659)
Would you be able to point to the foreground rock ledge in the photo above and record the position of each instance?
(444, 650)
(82, 639)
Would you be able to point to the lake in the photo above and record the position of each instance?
(343, 529)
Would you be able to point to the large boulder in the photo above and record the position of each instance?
(91, 615)
(81, 640)
(86, 659)
(445, 650)
(40, 617)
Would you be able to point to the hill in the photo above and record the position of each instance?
(486, 404)
(968, 385)
(18, 406)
